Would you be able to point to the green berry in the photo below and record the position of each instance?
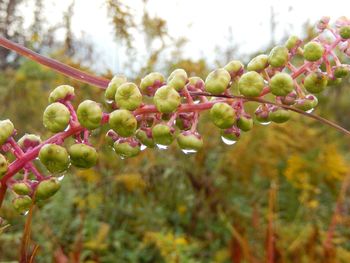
(162, 134)
(245, 123)
(189, 141)
(217, 81)
(56, 117)
(6, 130)
(29, 141)
(341, 71)
(307, 103)
(313, 51)
(54, 157)
(144, 138)
(126, 149)
(334, 82)
(278, 56)
(3, 165)
(21, 188)
(82, 155)
(62, 92)
(281, 84)
(315, 82)
(196, 82)
(128, 96)
(177, 79)
(22, 203)
(47, 188)
(232, 135)
(89, 114)
(166, 99)
(222, 115)
(292, 42)
(258, 63)
(279, 115)
(251, 84)
(123, 122)
(234, 68)
(262, 115)
(150, 82)
(113, 86)
(345, 32)
(289, 99)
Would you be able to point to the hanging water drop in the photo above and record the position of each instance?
(60, 178)
(188, 151)
(227, 141)
(162, 147)
(309, 111)
(265, 123)
(143, 147)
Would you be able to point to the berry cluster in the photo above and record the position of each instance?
(159, 111)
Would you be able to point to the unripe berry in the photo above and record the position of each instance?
(258, 63)
(3, 165)
(29, 141)
(313, 51)
(341, 71)
(196, 82)
(151, 82)
(251, 84)
(292, 42)
(166, 99)
(177, 79)
(344, 32)
(307, 103)
(189, 141)
(111, 137)
(245, 123)
(63, 92)
(230, 136)
(222, 115)
(281, 84)
(289, 99)
(145, 138)
(126, 149)
(6, 130)
(279, 115)
(262, 114)
(278, 56)
(217, 81)
(82, 155)
(54, 157)
(56, 117)
(113, 86)
(123, 122)
(47, 188)
(234, 68)
(89, 114)
(21, 188)
(334, 81)
(315, 82)
(128, 96)
(22, 203)
(162, 134)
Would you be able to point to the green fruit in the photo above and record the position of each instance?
(82, 155)
(6, 130)
(123, 122)
(217, 81)
(245, 123)
(315, 82)
(146, 140)
(22, 203)
(279, 115)
(262, 115)
(281, 84)
(344, 32)
(126, 149)
(196, 82)
(29, 141)
(307, 103)
(231, 135)
(54, 157)
(334, 82)
(289, 99)
(189, 141)
(3, 165)
(56, 117)
(47, 188)
(313, 51)
(21, 188)
(234, 68)
(89, 114)
(177, 79)
(341, 71)
(278, 56)
(258, 63)
(162, 134)
(251, 84)
(166, 99)
(113, 86)
(292, 42)
(222, 115)
(63, 92)
(150, 82)
(128, 96)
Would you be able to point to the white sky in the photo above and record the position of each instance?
(204, 22)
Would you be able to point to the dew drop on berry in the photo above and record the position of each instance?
(188, 151)
(25, 213)
(143, 147)
(265, 123)
(309, 111)
(60, 178)
(162, 147)
(227, 141)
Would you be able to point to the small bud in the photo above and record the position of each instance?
(189, 141)
(162, 134)
(47, 188)
(127, 149)
(307, 103)
(315, 82)
(245, 123)
(56, 117)
(292, 42)
(22, 203)
(217, 81)
(6, 130)
(234, 68)
(89, 114)
(251, 84)
(258, 63)
(21, 188)
(279, 115)
(63, 92)
(54, 157)
(166, 99)
(323, 23)
(29, 141)
(184, 121)
(145, 138)
(281, 84)
(344, 32)
(111, 137)
(313, 51)
(289, 99)
(278, 56)
(196, 82)
(123, 122)
(262, 114)
(222, 115)
(113, 86)
(128, 96)
(341, 71)
(82, 155)
(151, 82)
(177, 79)
(3, 165)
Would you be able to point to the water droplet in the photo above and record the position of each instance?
(309, 111)
(60, 178)
(122, 157)
(196, 101)
(109, 101)
(67, 128)
(25, 213)
(265, 123)
(143, 147)
(162, 147)
(188, 151)
(227, 141)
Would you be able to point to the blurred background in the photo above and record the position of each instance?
(285, 185)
